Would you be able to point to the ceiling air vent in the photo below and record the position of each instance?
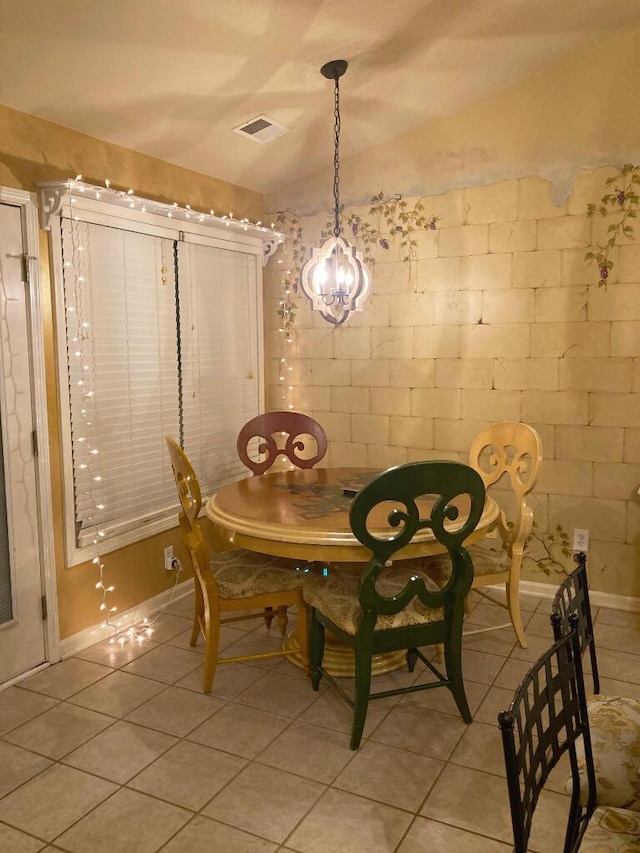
(261, 129)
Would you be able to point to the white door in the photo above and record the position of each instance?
(22, 631)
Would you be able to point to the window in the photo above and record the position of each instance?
(162, 332)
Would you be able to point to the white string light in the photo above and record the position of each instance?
(77, 269)
(79, 313)
(173, 210)
(286, 312)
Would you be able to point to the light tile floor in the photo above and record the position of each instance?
(118, 750)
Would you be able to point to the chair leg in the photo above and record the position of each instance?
(302, 632)
(282, 620)
(267, 615)
(362, 689)
(212, 643)
(453, 665)
(513, 603)
(198, 614)
(316, 650)
(412, 657)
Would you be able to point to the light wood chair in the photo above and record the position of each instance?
(282, 434)
(504, 454)
(507, 454)
(232, 581)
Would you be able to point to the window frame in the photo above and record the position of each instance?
(215, 232)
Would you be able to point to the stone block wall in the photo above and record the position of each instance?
(499, 318)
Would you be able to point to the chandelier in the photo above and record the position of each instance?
(335, 278)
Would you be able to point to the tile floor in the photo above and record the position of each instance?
(117, 750)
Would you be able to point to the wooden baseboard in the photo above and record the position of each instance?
(89, 636)
(598, 599)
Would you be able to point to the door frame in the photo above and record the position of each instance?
(31, 242)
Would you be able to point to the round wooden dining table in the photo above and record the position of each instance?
(303, 514)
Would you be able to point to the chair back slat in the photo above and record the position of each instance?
(187, 483)
(291, 434)
(572, 597)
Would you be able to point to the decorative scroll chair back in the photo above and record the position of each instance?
(187, 483)
(288, 434)
(394, 606)
(546, 718)
(403, 486)
(512, 451)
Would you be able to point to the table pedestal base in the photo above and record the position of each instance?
(339, 659)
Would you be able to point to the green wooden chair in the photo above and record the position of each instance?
(389, 607)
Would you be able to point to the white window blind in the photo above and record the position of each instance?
(218, 296)
(128, 359)
(171, 347)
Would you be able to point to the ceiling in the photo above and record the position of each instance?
(172, 78)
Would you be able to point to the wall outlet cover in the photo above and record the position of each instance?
(580, 540)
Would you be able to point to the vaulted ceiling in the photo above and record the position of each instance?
(172, 78)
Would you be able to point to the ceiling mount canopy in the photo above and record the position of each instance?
(335, 278)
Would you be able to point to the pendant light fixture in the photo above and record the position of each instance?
(335, 278)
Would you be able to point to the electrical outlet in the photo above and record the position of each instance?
(580, 540)
(168, 558)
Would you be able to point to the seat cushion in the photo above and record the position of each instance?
(612, 831)
(242, 574)
(615, 736)
(337, 597)
(486, 561)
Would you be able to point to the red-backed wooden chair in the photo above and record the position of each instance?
(267, 438)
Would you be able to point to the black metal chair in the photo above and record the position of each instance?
(391, 607)
(547, 719)
(614, 720)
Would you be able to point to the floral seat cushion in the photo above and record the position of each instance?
(486, 561)
(242, 574)
(337, 597)
(612, 831)
(615, 736)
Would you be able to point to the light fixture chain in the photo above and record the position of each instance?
(336, 161)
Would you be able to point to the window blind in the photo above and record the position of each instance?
(220, 372)
(171, 347)
(128, 360)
